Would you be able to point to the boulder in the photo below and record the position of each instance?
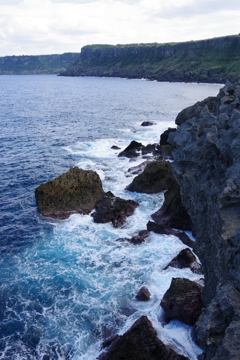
(132, 150)
(113, 209)
(182, 301)
(165, 230)
(156, 177)
(137, 239)
(186, 259)
(173, 213)
(140, 342)
(143, 294)
(75, 191)
(115, 147)
(147, 123)
(164, 136)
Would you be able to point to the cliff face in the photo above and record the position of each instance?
(213, 60)
(207, 167)
(42, 64)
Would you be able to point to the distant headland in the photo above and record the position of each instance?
(211, 61)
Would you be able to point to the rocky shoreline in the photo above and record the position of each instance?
(203, 194)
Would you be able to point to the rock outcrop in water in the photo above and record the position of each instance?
(140, 342)
(156, 177)
(207, 167)
(75, 191)
(113, 209)
(182, 301)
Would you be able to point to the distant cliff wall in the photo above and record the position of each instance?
(33, 64)
(207, 167)
(215, 60)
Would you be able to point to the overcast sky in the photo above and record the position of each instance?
(35, 27)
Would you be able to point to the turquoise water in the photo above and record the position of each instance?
(65, 286)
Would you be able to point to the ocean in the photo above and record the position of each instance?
(65, 286)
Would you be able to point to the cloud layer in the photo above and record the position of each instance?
(55, 26)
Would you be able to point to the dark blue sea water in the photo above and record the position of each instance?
(67, 285)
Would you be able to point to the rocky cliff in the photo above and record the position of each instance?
(34, 64)
(215, 60)
(207, 167)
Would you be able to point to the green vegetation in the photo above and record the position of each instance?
(212, 60)
(42, 64)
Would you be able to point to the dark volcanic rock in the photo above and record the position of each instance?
(137, 239)
(115, 147)
(114, 209)
(164, 136)
(132, 150)
(143, 294)
(207, 167)
(156, 177)
(182, 301)
(75, 191)
(165, 230)
(140, 342)
(173, 213)
(186, 259)
(141, 237)
(147, 123)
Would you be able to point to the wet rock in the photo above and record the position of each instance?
(148, 123)
(140, 342)
(150, 148)
(75, 191)
(186, 259)
(173, 213)
(137, 239)
(164, 136)
(136, 170)
(115, 147)
(143, 294)
(109, 341)
(113, 209)
(132, 150)
(156, 177)
(182, 301)
(141, 237)
(165, 230)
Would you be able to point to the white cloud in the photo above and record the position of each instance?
(57, 26)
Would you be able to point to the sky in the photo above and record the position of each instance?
(38, 27)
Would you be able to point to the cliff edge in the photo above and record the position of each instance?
(213, 61)
(207, 167)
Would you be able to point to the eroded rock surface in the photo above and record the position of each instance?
(182, 301)
(173, 213)
(157, 176)
(75, 191)
(113, 209)
(207, 167)
(140, 342)
(186, 259)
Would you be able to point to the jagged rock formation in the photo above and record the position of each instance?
(113, 209)
(182, 301)
(156, 177)
(140, 342)
(186, 259)
(173, 213)
(207, 167)
(213, 60)
(36, 64)
(75, 191)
